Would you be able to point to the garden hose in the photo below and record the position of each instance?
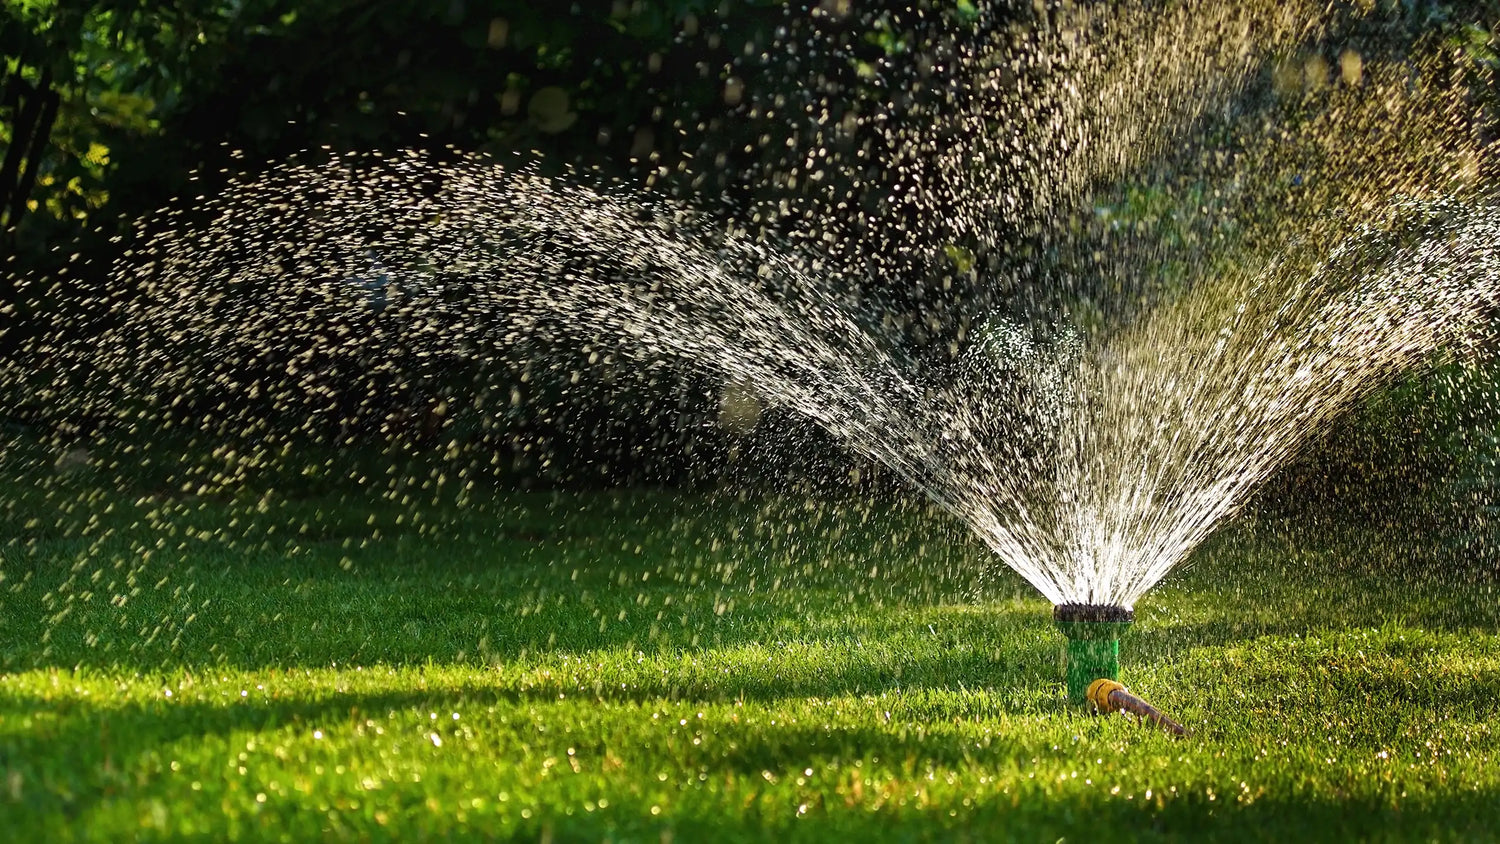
(1109, 696)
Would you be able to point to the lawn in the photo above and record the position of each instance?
(644, 666)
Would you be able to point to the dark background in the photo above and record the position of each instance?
(112, 110)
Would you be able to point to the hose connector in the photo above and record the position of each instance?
(1109, 696)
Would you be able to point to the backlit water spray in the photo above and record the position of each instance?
(1091, 392)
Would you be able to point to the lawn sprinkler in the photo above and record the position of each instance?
(1093, 672)
(1109, 696)
(1093, 632)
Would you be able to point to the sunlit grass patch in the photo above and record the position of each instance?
(654, 667)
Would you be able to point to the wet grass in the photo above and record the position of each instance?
(653, 667)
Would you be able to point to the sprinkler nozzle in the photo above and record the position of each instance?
(1109, 696)
(1092, 613)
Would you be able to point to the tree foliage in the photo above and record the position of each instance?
(113, 103)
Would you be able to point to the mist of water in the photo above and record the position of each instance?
(1091, 398)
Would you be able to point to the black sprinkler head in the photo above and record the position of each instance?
(1097, 613)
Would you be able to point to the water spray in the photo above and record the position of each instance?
(1093, 632)
(1109, 696)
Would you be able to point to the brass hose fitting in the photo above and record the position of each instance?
(1109, 696)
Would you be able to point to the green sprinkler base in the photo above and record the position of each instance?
(1093, 633)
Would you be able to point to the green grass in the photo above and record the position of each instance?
(649, 667)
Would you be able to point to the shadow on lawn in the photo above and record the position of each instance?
(1009, 646)
(1467, 817)
(277, 616)
(143, 724)
(1088, 816)
(1163, 638)
(74, 770)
